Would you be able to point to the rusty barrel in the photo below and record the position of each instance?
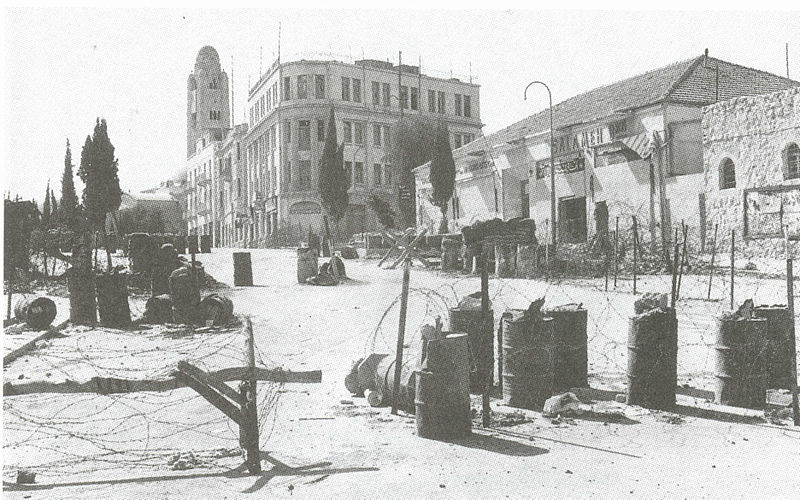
(506, 258)
(481, 344)
(112, 299)
(158, 309)
(306, 264)
(37, 312)
(384, 384)
(442, 389)
(205, 243)
(142, 252)
(82, 299)
(570, 341)
(653, 359)
(185, 293)
(181, 243)
(527, 360)
(741, 356)
(216, 308)
(780, 354)
(451, 251)
(193, 243)
(242, 269)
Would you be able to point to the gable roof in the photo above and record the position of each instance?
(695, 81)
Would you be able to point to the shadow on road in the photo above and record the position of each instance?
(499, 445)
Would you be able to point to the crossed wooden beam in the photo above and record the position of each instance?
(407, 250)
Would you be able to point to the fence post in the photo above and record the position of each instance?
(248, 431)
(401, 332)
(635, 252)
(792, 338)
(713, 255)
(616, 254)
(733, 255)
(683, 260)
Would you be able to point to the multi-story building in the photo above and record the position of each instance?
(288, 110)
(631, 148)
(230, 190)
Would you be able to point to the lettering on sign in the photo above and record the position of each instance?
(581, 140)
(474, 166)
(562, 167)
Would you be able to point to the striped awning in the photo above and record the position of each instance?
(639, 144)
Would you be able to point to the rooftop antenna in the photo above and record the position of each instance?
(260, 59)
(470, 72)
(787, 60)
(279, 42)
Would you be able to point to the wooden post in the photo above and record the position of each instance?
(401, 333)
(487, 353)
(792, 337)
(683, 260)
(675, 275)
(733, 255)
(546, 251)
(248, 431)
(8, 305)
(616, 253)
(713, 256)
(500, 356)
(635, 252)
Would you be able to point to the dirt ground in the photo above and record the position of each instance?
(318, 441)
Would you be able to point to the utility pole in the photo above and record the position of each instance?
(552, 166)
(400, 81)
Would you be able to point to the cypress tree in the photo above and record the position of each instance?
(412, 144)
(46, 208)
(98, 170)
(442, 172)
(69, 214)
(54, 214)
(333, 181)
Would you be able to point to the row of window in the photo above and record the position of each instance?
(352, 132)
(791, 167)
(409, 96)
(267, 102)
(462, 139)
(381, 174)
(214, 115)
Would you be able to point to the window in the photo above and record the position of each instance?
(358, 173)
(377, 174)
(440, 102)
(262, 106)
(319, 86)
(320, 130)
(238, 151)
(791, 161)
(456, 141)
(356, 90)
(376, 135)
(213, 84)
(727, 174)
(404, 96)
(467, 106)
(348, 132)
(304, 173)
(385, 90)
(458, 104)
(414, 98)
(304, 135)
(287, 88)
(302, 87)
(287, 131)
(348, 168)
(345, 88)
(387, 177)
(358, 133)
(432, 101)
(376, 93)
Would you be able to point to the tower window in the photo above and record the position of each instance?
(791, 161)
(727, 174)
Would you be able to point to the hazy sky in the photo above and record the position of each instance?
(64, 68)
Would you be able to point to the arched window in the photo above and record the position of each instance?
(727, 174)
(791, 161)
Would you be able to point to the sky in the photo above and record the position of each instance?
(63, 68)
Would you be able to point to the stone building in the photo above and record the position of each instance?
(621, 148)
(207, 107)
(751, 156)
(288, 110)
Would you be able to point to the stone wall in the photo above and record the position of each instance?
(754, 133)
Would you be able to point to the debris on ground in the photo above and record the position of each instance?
(562, 404)
(26, 477)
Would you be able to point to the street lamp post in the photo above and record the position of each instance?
(552, 165)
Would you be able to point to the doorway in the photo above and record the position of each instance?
(525, 199)
(572, 219)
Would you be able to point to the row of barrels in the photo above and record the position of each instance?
(184, 305)
(143, 248)
(545, 354)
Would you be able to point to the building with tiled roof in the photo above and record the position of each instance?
(604, 154)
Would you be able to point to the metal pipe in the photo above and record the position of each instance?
(552, 162)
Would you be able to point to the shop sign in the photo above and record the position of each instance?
(563, 166)
(580, 140)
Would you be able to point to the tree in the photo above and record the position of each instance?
(69, 214)
(383, 210)
(141, 219)
(46, 209)
(442, 172)
(54, 214)
(333, 181)
(98, 170)
(412, 144)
